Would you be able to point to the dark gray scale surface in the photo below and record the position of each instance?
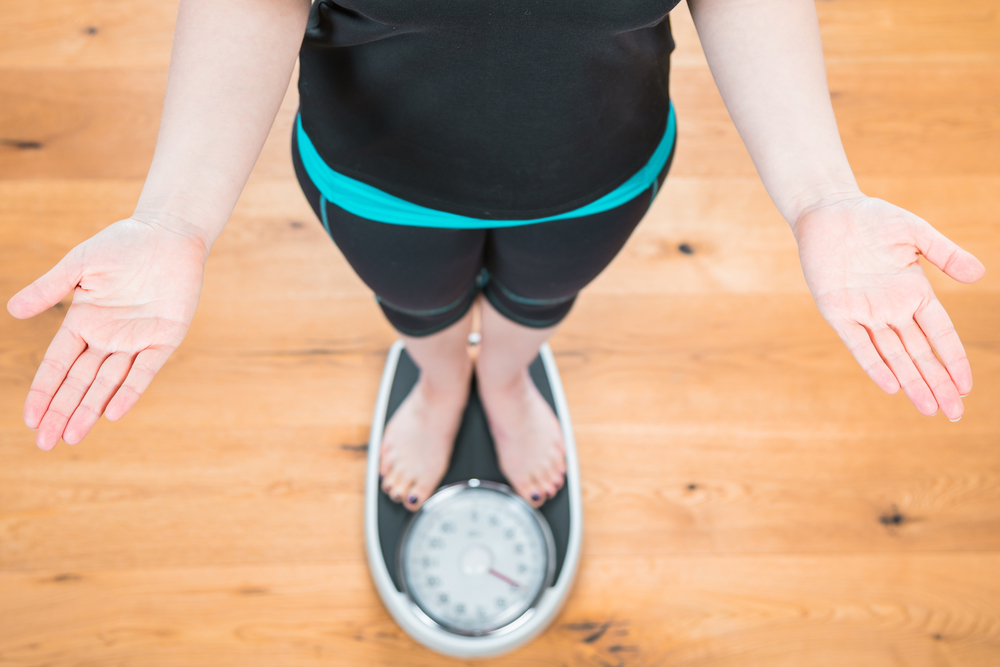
(473, 457)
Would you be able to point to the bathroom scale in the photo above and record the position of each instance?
(475, 571)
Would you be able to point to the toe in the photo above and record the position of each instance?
(404, 491)
(411, 499)
(398, 492)
(532, 490)
(414, 500)
(558, 482)
(384, 460)
(417, 496)
(558, 464)
(394, 487)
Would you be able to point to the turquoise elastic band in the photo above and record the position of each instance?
(369, 202)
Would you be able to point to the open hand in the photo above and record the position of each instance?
(860, 260)
(135, 289)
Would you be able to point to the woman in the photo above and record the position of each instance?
(452, 147)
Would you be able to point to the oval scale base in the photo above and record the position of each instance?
(474, 457)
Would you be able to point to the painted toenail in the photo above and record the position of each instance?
(413, 499)
(535, 496)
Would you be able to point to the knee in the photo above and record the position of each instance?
(418, 322)
(536, 312)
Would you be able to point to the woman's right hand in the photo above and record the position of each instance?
(135, 288)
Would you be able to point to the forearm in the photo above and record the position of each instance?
(767, 61)
(229, 70)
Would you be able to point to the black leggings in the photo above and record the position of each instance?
(426, 278)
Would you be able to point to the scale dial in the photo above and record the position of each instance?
(475, 558)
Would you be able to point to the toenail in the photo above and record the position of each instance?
(535, 496)
(413, 499)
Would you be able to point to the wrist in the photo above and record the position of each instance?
(818, 196)
(191, 226)
(172, 223)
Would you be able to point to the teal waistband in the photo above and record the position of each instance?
(369, 202)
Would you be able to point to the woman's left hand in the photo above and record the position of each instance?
(860, 260)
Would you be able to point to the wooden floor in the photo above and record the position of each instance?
(751, 498)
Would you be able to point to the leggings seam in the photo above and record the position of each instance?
(424, 313)
(521, 299)
(436, 328)
(322, 209)
(506, 312)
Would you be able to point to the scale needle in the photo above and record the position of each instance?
(507, 579)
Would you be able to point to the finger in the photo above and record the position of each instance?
(70, 393)
(937, 326)
(859, 343)
(945, 254)
(109, 378)
(48, 290)
(937, 378)
(147, 363)
(63, 351)
(899, 362)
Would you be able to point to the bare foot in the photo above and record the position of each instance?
(527, 437)
(417, 443)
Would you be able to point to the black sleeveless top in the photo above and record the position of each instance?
(506, 109)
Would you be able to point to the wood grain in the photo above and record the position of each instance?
(751, 498)
(924, 609)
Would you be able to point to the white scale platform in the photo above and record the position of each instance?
(483, 573)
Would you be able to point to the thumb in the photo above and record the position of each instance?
(945, 254)
(48, 290)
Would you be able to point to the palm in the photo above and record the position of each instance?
(121, 328)
(140, 289)
(860, 259)
(136, 290)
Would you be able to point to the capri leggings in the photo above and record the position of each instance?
(426, 278)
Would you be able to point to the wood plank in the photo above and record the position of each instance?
(910, 31)
(100, 124)
(788, 444)
(740, 243)
(130, 35)
(708, 356)
(895, 119)
(295, 494)
(86, 35)
(925, 609)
